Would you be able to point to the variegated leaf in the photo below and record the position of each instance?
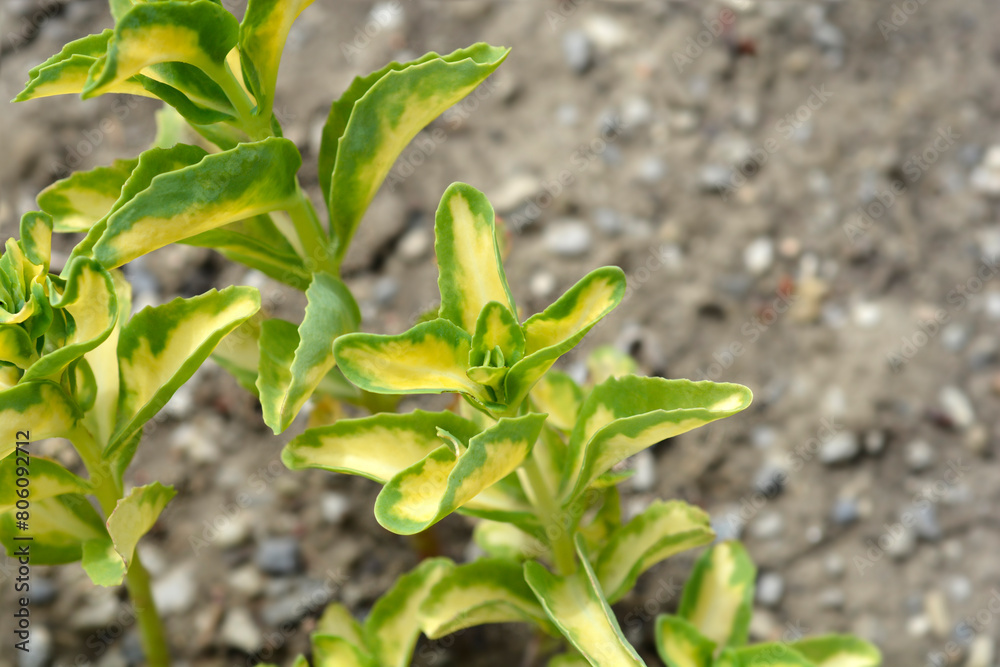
(578, 608)
(838, 651)
(470, 268)
(505, 540)
(39, 409)
(102, 417)
(248, 180)
(333, 651)
(331, 312)
(489, 590)
(199, 33)
(623, 416)
(376, 447)
(774, 654)
(160, 349)
(392, 627)
(48, 479)
(81, 199)
(718, 597)
(36, 238)
(662, 530)
(556, 330)
(386, 112)
(558, 395)
(609, 362)
(443, 481)
(430, 358)
(681, 645)
(262, 36)
(58, 528)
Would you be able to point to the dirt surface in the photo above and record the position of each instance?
(805, 202)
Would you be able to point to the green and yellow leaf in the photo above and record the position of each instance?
(662, 530)
(430, 358)
(557, 329)
(47, 480)
(135, 514)
(838, 651)
(489, 590)
(248, 180)
(504, 540)
(161, 348)
(442, 482)
(763, 655)
(681, 645)
(558, 395)
(338, 621)
(625, 415)
(40, 409)
(262, 36)
(36, 238)
(607, 362)
(101, 418)
(58, 527)
(333, 651)
(81, 199)
(577, 606)
(470, 268)
(718, 598)
(382, 121)
(392, 627)
(331, 312)
(199, 33)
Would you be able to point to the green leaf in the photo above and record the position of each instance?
(66, 72)
(496, 329)
(90, 301)
(48, 479)
(623, 416)
(489, 590)
(132, 518)
(470, 267)
(40, 409)
(577, 606)
(239, 353)
(36, 238)
(387, 110)
(503, 540)
(332, 651)
(607, 362)
(430, 358)
(376, 447)
(338, 621)
(838, 651)
(556, 330)
(662, 530)
(681, 645)
(262, 36)
(392, 627)
(256, 242)
(573, 659)
(58, 528)
(16, 347)
(331, 312)
(102, 417)
(78, 201)
(558, 395)
(774, 654)
(222, 188)
(440, 483)
(199, 33)
(718, 598)
(161, 348)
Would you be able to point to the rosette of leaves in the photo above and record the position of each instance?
(238, 192)
(75, 366)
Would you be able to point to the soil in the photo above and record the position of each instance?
(805, 199)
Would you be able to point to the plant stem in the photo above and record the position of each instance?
(311, 234)
(154, 641)
(257, 126)
(548, 512)
(109, 491)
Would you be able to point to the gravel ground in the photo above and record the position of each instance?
(805, 198)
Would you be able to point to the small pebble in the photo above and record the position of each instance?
(759, 255)
(770, 479)
(644, 478)
(334, 507)
(936, 608)
(240, 631)
(834, 565)
(176, 592)
(567, 238)
(919, 455)
(728, 526)
(845, 511)
(925, 522)
(874, 442)
(902, 542)
(767, 526)
(959, 588)
(636, 111)
(958, 407)
(608, 221)
(514, 192)
(40, 645)
(652, 170)
(542, 284)
(713, 178)
(415, 244)
(577, 50)
(763, 436)
(977, 440)
(918, 626)
(770, 589)
(278, 556)
(866, 315)
(246, 580)
(954, 337)
(982, 652)
(841, 448)
(385, 290)
(831, 598)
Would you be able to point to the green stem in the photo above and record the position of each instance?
(257, 126)
(548, 512)
(109, 492)
(311, 234)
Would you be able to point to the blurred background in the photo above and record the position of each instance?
(804, 196)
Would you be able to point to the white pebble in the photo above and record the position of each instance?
(567, 238)
(759, 255)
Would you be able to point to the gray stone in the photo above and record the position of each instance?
(41, 648)
(959, 588)
(958, 407)
(834, 565)
(514, 192)
(874, 442)
(770, 589)
(714, 178)
(845, 511)
(982, 352)
(567, 238)
(608, 221)
(416, 244)
(919, 455)
(954, 337)
(176, 592)
(644, 478)
(385, 290)
(831, 598)
(767, 526)
(334, 506)
(542, 284)
(577, 50)
(901, 543)
(728, 526)
(841, 448)
(770, 479)
(239, 631)
(278, 556)
(652, 170)
(925, 522)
